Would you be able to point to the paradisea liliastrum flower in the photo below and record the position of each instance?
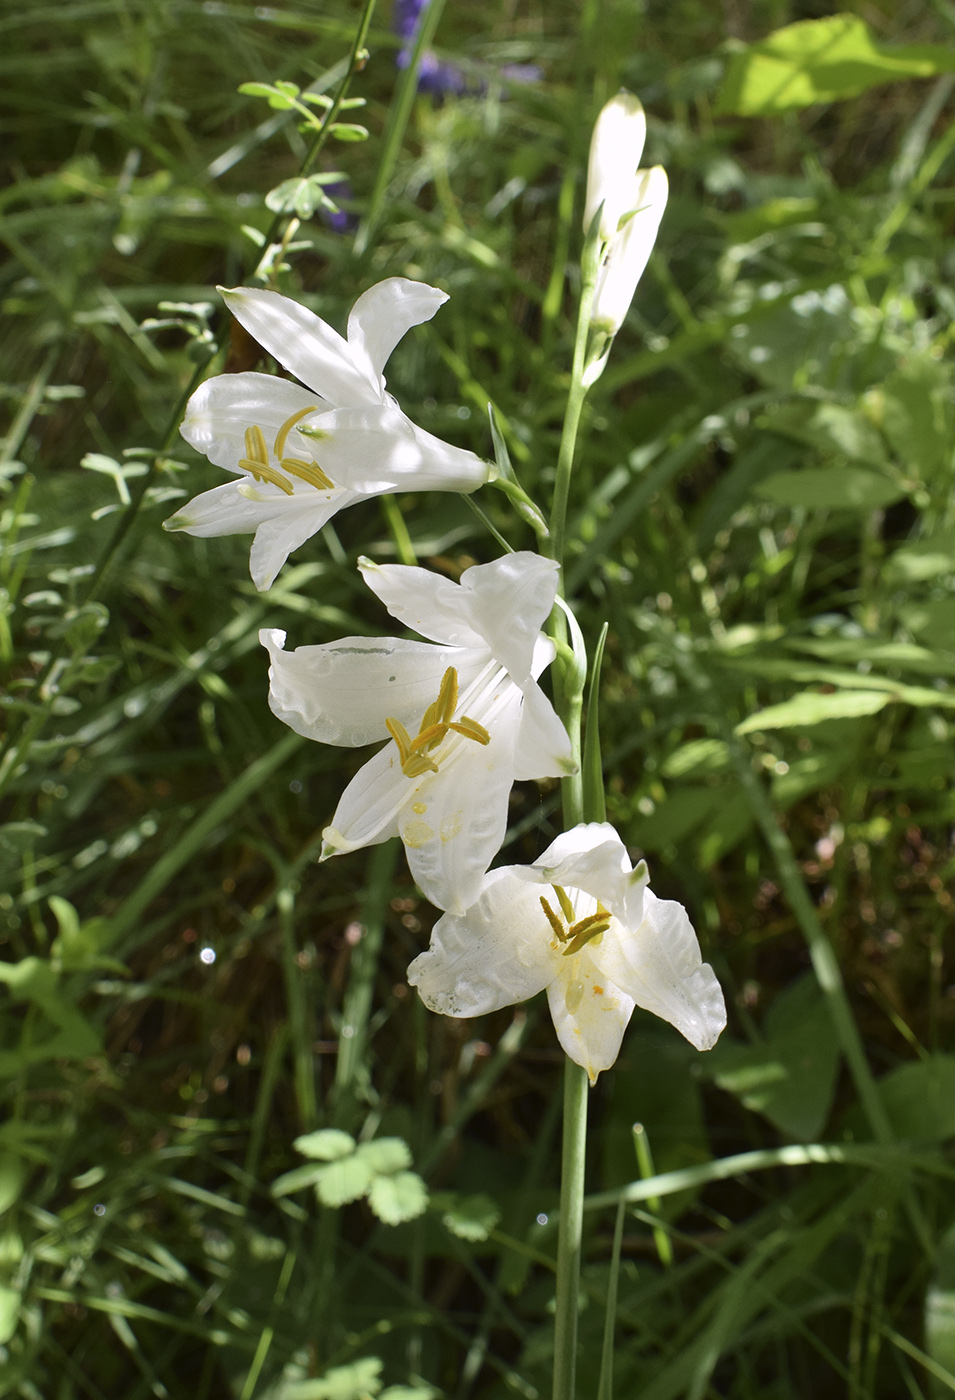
(463, 714)
(302, 454)
(583, 924)
(631, 204)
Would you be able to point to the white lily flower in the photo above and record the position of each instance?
(582, 923)
(302, 454)
(631, 202)
(464, 712)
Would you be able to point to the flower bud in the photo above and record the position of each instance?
(629, 251)
(615, 150)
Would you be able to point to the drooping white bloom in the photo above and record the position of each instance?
(631, 201)
(464, 713)
(301, 454)
(582, 923)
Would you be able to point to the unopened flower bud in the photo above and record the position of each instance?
(629, 251)
(615, 150)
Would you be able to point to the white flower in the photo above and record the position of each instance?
(301, 454)
(582, 923)
(632, 203)
(464, 712)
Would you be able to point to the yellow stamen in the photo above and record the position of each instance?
(287, 427)
(263, 472)
(470, 729)
(553, 920)
(307, 471)
(401, 737)
(435, 724)
(566, 908)
(255, 445)
(586, 930)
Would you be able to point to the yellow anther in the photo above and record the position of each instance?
(470, 729)
(586, 930)
(263, 472)
(566, 908)
(287, 427)
(435, 724)
(553, 920)
(255, 447)
(307, 471)
(401, 737)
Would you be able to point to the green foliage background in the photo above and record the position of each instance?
(764, 513)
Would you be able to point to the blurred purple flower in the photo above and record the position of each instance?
(340, 221)
(441, 78)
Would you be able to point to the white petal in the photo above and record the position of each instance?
(454, 821)
(378, 449)
(424, 601)
(629, 253)
(342, 692)
(507, 602)
(543, 747)
(444, 467)
(382, 315)
(304, 344)
(292, 520)
(615, 150)
(225, 511)
(590, 1014)
(592, 857)
(659, 964)
(221, 409)
(495, 955)
(368, 809)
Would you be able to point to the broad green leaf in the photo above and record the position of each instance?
(925, 559)
(831, 488)
(13, 1174)
(9, 1312)
(933, 621)
(809, 774)
(385, 1155)
(821, 60)
(725, 828)
(814, 707)
(681, 812)
(697, 759)
(348, 131)
(358, 1381)
(345, 1180)
(298, 1178)
(325, 1145)
(920, 1099)
(398, 1198)
(789, 1078)
(914, 408)
(471, 1218)
(834, 428)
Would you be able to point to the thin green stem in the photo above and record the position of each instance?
(568, 438)
(571, 1229)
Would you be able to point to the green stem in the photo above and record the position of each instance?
(568, 437)
(570, 1230)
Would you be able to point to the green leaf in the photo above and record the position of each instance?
(679, 814)
(348, 131)
(697, 759)
(385, 1155)
(813, 707)
(934, 621)
(470, 1218)
(13, 1173)
(831, 488)
(820, 60)
(326, 1145)
(595, 805)
(926, 559)
(920, 1099)
(9, 1312)
(914, 408)
(398, 1198)
(345, 1180)
(790, 1078)
(357, 1381)
(299, 1178)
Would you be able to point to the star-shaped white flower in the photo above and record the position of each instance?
(302, 454)
(582, 923)
(464, 713)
